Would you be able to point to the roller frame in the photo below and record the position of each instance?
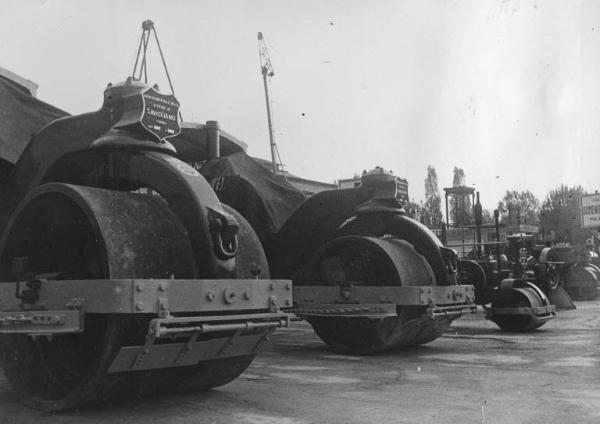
(380, 301)
(144, 296)
(62, 306)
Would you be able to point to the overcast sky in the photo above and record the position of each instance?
(507, 90)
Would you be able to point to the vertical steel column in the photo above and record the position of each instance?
(478, 213)
(497, 223)
(447, 216)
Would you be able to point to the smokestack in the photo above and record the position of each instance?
(213, 136)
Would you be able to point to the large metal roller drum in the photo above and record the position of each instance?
(373, 250)
(79, 232)
(70, 232)
(581, 281)
(515, 309)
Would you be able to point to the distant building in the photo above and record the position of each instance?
(28, 86)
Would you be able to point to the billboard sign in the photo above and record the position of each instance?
(590, 211)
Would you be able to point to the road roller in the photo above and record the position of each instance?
(570, 269)
(513, 301)
(121, 272)
(512, 286)
(366, 276)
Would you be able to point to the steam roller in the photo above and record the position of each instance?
(381, 290)
(568, 272)
(121, 273)
(515, 303)
(517, 288)
(366, 277)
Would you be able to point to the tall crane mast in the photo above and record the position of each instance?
(266, 69)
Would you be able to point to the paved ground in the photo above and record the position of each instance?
(473, 374)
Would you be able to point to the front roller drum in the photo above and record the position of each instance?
(377, 263)
(72, 232)
(520, 307)
(362, 336)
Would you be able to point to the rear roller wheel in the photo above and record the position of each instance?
(581, 282)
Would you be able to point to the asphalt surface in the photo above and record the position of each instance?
(473, 374)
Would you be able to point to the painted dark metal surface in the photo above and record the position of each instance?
(96, 206)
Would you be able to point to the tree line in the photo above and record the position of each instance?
(557, 216)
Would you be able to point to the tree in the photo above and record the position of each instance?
(522, 203)
(488, 216)
(431, 211)
(414, 210)
(560, 214)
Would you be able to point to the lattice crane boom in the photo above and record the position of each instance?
(266, 69)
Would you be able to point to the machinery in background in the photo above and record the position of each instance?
(374, 278)
(366, 276)
(513, 291)
(567, 268)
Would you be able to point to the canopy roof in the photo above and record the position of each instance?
(21, 116)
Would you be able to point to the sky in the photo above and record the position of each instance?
(507, 90)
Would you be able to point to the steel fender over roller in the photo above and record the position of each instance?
(311, 225)
(379, 250)
(73, 232)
